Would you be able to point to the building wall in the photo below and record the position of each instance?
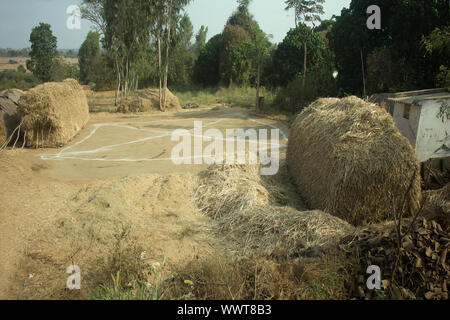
(408, 127)
(433, 138)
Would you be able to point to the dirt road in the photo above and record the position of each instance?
(64, 206)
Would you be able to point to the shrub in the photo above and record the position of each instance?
(16, 79)
(319, 83)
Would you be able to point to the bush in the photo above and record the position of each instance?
(16, 79)
(319, 83)
(21, 68)
(62, 70)
(11, 61)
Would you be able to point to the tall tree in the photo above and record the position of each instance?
(43, 51)
(88, 57)
(200, 41)
(126, 34)
(306, 11)
(92, 10)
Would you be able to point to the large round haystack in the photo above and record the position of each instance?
(148, 101)
(53, 113)
(348, 158)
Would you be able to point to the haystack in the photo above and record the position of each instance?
(148, 101)
(248, 213)
(9, 119)
(348, 158)
(2, 133)
(53, 113)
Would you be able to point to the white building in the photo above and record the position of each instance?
(424, 118)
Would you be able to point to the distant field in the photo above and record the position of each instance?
(5, 65)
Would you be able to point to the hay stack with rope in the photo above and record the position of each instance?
(347, 158)
(53, 113)
(147, 101)
(9, 119)
(251, 214)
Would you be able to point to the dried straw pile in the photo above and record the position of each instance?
(247, 213)
(9, 119)
(148, 101)
(437, 206)
(53, 113)
(2, 131)
(348, 158)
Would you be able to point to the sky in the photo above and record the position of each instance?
(18, 17)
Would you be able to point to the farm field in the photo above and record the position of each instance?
(6, 65)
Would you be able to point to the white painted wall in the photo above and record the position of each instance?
(408, 127)
(433, 137)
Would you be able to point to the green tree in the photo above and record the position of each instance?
(404, 23)
(235, 56)
(206, 68)
(200, 41)
(88, 57)
(43, 51)
(288, 59)
(181, 62)
(126, 35)
(307, 11)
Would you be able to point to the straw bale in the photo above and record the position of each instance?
(148, 101)
(53, 113)
(348, 158)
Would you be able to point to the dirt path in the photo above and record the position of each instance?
(61, 205)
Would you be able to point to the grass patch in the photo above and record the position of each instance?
(235, 97)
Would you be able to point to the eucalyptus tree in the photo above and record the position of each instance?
(306, 11)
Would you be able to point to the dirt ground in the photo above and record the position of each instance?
(115, 181)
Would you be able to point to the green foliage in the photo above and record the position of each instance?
(62, 70)
(181, 62)
(16, 79)
(404, 23)
(43, 51)
(319, 83)
(21, 68)
(288, 59)
(89, 56)
(235, 56)
(437, 45)
(200, 42)
(11, 61)
(206, 68)
(305, 10)
(14, 53)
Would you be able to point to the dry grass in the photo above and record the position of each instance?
(437, 206)
(261, 278)
(348, 158)
(248, 213)
(53, 113)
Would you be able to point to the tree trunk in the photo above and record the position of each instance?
(166, 62)
(364, 75)
(258, 80)
(159, 68)
(304, 64)
(118, 82)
